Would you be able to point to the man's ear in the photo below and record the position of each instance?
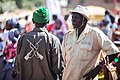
(33, 21)
(48, 22)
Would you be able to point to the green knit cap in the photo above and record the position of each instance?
(41, 15)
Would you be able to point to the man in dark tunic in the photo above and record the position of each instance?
(39, 52)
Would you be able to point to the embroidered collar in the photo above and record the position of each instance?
(36, 29)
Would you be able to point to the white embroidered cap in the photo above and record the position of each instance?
(82, 10)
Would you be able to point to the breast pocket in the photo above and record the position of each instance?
(86, 45)
(86, 49)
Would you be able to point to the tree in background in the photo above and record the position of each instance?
(19, 3)
(11, 5)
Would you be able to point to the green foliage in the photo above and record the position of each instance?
(29, 4)
(7, 6)
(11, 5)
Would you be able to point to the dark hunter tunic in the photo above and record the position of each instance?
(38, 56)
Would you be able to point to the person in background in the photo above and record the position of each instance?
(5, 35)
(119, 22)
(1, 46)
(9, 49)
(114, 25)
(57, 30)
(28, 25)
(82, 45)
(108, 30)
(65, 19)
(51, 25)
(68, 22)
(1, 27)
(102, 26)
(116, 33)
(107, 16)
(38, 52)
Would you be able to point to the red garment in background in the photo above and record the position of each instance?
(10, 51)
(50, 27)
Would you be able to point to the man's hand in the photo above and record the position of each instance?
(94, 72)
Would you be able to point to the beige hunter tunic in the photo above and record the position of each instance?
(81, 54)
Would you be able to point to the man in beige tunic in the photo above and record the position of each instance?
(82, 45)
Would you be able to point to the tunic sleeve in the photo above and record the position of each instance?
(106, 44)
(56, 56)
(17, 60)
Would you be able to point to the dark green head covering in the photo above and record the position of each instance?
(41, 15)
